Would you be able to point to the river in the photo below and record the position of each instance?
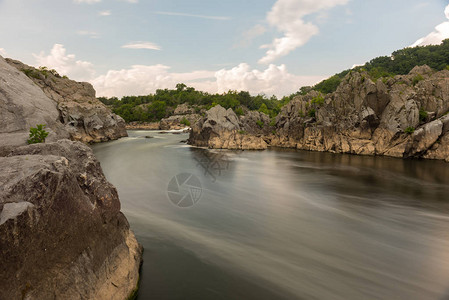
(281, 224)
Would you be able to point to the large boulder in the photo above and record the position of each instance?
(220, 129)
(62, 235)
(86, 119)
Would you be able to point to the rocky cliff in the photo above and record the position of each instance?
(84, 117)
(62, 235)
(402, 116)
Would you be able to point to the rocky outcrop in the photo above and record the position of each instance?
(62, 235)
(86, 119)
(143, 126)
(24, 105)
(184, 109)
(177, 122)
(401, 117)
(220, 129)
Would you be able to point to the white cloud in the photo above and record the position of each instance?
(65, 64)
(91, 34)
(87, 1)
(104, 13)
(287, 17)
(144, 79)
(141, 80)
(168, 13)
(436, 37)
(275, 80)
(2, 52)
(142, 45)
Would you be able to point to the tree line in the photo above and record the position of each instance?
(162, 104)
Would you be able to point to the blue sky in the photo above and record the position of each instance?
(264, 46)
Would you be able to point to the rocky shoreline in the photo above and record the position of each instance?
(62, 235)
(404, 116)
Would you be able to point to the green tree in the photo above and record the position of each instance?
(264, 109)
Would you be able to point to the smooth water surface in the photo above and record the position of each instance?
(282, 224)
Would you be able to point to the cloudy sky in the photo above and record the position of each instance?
(132, 47)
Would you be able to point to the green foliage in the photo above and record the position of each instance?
(239, 111)
(318, 100)
(260, 123)
(37, 134)
(312, 113)
(417, 79)
(242, 132)
(133, 108)
(400, 62)
(423, 115)
(301, 113)
(264, 109)
(273, 122)
(330, 85)
(184, 121)
(409, 130)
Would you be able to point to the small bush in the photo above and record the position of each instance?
(417, 79)
(409, 130)
(312, 113)
(273, 122)
(423, 115)
(301, 113)
(242, 132)
(260, 123)
(239, 111)
(184, 121)
(38, 134)
(318, 100)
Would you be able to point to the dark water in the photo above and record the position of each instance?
(283, 224)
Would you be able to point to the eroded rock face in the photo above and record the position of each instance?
(24, 105)
(85, 118)
(372, 118)
(220, 129)
(62, 235)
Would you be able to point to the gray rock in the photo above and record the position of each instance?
(220, 129)
(370, 118)
(62, 235)
(24, 105)
(86, 119)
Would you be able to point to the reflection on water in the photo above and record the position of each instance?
(283, 224)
